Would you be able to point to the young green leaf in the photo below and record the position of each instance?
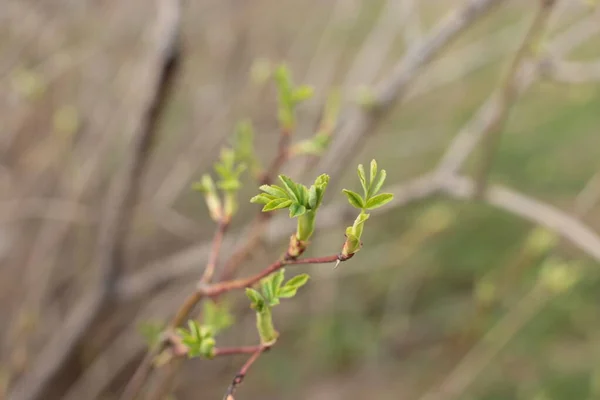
(373, 171)
(267, 290)
(262, 198)
(313, 197)
(296, 210)
(379, 200)
(303, 194)
(255, 297)
(275, 190)
(216, 316)
(298, 281)
(290, 188)
(354, 199)
(302, 93)
(376, 186)
(277, 279)
(277, 204)
(363, 180)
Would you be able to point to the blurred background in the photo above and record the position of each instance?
(454, 296)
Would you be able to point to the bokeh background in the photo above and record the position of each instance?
(452, 297)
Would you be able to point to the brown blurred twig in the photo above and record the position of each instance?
(507, 93)
(115, 224)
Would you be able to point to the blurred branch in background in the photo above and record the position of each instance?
(117, 216)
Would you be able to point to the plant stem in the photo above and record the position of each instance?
(222, 287)
(229, 351)
(239, 378)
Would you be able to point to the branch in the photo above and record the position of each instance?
(114, 230)
(532, 210)
(222, 287)
(395, 87)
(239, 378)
(476, 129)
(508, 93)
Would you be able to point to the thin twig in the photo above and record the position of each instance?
(222, 287)
(239, 378)
(356, 127)
(508, 93)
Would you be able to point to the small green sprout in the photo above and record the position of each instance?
(243, 146)
(198, 339)
(272, 289)
(289, 96)
(152, 332)
(216, 316)
(320, 141)
(370, 200)
(229, 172)
(302, 203)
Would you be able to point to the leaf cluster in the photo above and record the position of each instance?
(229, 171)
(295, 196)
(272, 289)
(199, 339)
(289, 96)
(371, 198)
(317, 144)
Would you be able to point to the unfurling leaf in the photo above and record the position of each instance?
(312, 197)
(354, 199)
(262, 198)
(363, 180)
(276, 204)
(277, 279)
(373, 171)
(376, 185)
(302, 93)
(296, 210)
(379, 200)
(275, 190)
(291, 287)
(256, 299)
(290, 188)
(298, 281)
(217, 316)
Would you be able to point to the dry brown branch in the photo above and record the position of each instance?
(356, 126)
(116, 221)
(507, 93)
(473, 132)
(531, 210)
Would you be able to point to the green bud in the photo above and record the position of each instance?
(353, 241)
(295, 247)
(306, 226)
(558, 276)
(264, 325)
(260, 71)
(541, 240)
(207, 186)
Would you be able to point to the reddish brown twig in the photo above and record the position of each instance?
(239, 378)
(222, 287)
(230, 351)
